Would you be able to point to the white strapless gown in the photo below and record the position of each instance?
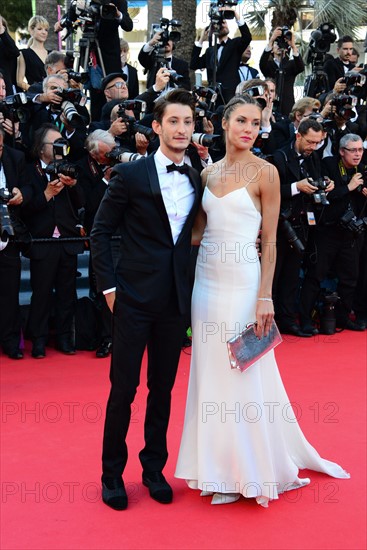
(240, 434)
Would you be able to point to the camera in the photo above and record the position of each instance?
(319, 196)
(13, 107)
(6, 226)
(209, 94)
(206, 140)
(61, 166)
(94, 8)
(77, 77)
(289, 232)
(257, 92)
(74, 96)
(217, 16)
(353, 224)
(322, 38)
(281, 40)
(120, 154)
(133, 126)
(167, 33)
(355, 83)
(344, 104)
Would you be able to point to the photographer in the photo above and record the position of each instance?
(229, 54)
(275, 63)
(8, 57)
(14, 193)
(61, 106)
(337, 67)
(299, 166)
(10, 127)
(52, 213)
(55, 63)
(106, 32)
(158, 53)
(340, 232)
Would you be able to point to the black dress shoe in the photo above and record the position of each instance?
(309, 329)
(361, 323)
(352, 325)
(295, 330)
(15, 354)
(66, 348)
(186, 343)
(158, 487)
(114, 493)
(38, 350)
(104, 349)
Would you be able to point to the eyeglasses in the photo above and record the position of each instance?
(117, 85)
(359, 150)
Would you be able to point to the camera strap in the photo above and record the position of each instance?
(343, 172)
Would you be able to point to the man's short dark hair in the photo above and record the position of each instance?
(53, 58)
(343, 39)
(309, 124)
(178, 95)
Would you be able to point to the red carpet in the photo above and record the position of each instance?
(51, 430)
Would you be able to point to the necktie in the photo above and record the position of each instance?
(183, 169)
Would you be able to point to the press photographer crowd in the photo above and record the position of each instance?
(66, 122)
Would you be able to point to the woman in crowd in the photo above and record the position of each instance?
(240, 434)
(31, 62)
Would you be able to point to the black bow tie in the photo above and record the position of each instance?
(183, 169)
(169, 59)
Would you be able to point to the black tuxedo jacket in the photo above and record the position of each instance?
(148, 61)
(133, 81)
(41, 216)
(334, 68)
(230, 59)
(289, 167)
(91, 181)
(8, 60)
(150, 265)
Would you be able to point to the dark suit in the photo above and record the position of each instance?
(132, 81)
(288, 264)
(148, 61)
(285, 87)
(335, 68)
(13, 163)
(53, 265)
(152, 298)
(230, 59)
(8, 61)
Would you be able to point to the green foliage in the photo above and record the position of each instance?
(17, 13)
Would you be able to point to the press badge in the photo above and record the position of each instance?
(311, 218)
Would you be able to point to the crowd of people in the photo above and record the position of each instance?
(57, 157)
(242, 181)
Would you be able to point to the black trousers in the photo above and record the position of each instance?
(10, 320)
(335, 249)
(286, 283)
(56, 271)
(360, 296)
(133, 330)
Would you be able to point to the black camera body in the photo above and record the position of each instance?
(282, 39)
(168, 28)
(13, 107)
(6, 226)
(77, 77)
(61, 166)
(133, 126)
(319, 196)
(288, 231)
(353, 224)
(322, 38)
(344, 105)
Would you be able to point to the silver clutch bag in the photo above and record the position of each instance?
(246, 348)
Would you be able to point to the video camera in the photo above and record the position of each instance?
(322, 38)
(13, 107)
(88, 15)
(167, 33)
(133, 126)
(217, 16)
(281, 40)
(61, 166)
(120, 154)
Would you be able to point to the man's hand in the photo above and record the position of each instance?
(330, 184)
(53, 188)
(67, 181)
(2, 27)
(50, 97)
(58, 27)
(156, 38)
(118, 127)
(110, 299)
(8, 126)
(277, 32)
(208, 127)
(141, 143)
(267, 113)
(17, 197)
(202, 151)
(339, 86)
(355, 182)
(161, 79)
(306, 187)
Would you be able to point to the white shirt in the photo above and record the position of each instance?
(177, 192)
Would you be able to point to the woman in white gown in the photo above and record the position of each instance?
(240, 435)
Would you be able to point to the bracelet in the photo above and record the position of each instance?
(264, 299)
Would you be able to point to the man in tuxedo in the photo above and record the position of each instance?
(52, 213)
(12, 179)
(337, 67)
(245, 71)
(148, 59)
(131, 73)
(154, 202)
(297, 163)
(229, 56)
